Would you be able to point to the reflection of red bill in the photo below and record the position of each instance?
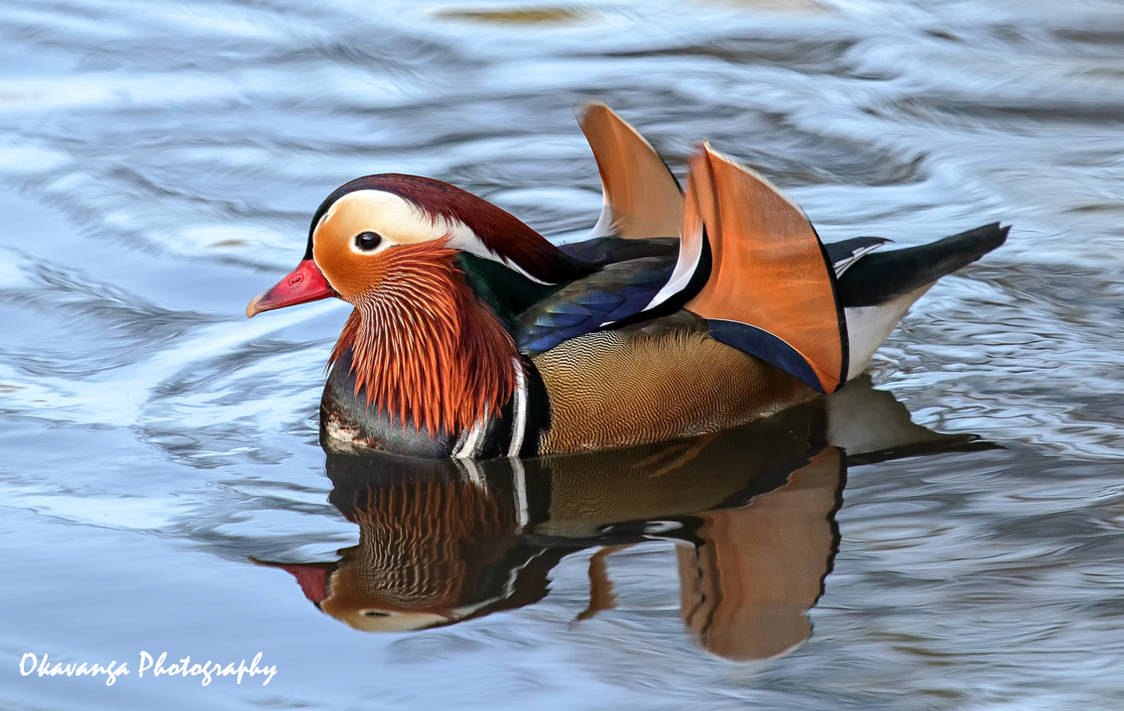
(305, 283)
(312, 577)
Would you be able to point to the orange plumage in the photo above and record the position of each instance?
(423, 345)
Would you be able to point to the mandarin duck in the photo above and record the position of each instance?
(473, 336)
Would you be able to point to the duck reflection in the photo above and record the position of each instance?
(757, 569)
(430, 553)
(751, 512)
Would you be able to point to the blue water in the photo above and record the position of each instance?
(159, 162)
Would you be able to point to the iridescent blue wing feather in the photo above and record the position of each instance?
(618, 291)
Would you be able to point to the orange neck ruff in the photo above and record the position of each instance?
(424, 347)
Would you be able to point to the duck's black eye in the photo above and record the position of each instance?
(367, 241)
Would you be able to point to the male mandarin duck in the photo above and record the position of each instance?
(473, 336)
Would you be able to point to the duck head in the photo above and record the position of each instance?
(431, 270)
(355, 231)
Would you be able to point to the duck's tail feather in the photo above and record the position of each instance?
(878, 278)
(879, 288)
(642, 199)
(771, 285)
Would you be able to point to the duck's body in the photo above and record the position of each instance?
(649, 382)
(474, 337)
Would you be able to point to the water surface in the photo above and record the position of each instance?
(159, 162)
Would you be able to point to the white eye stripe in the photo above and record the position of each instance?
(399, 221)
(394, 218)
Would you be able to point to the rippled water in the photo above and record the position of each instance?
(159, 162)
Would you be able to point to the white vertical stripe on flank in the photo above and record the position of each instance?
(518, 411)
(471, 446)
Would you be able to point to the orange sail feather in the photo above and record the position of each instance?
(769, 269)
(642, 198)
